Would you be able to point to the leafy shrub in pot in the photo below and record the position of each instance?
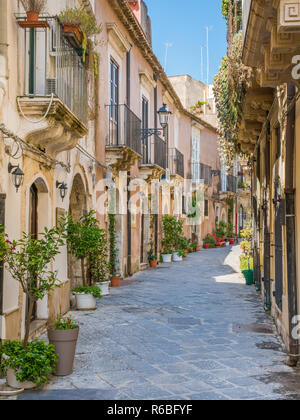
(86, 297)
(210, 241)
(27, 367)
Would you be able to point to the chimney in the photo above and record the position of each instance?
(140, 11)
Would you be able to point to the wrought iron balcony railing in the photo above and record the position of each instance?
(231, 184)
(176, 162)
(160, 152)
(155, 152)
(124, 128)
(53, 66)
(201, 172)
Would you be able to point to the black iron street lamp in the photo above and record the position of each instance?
(63, 188)
(17, 175)
(164, 116)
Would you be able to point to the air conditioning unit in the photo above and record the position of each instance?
(50, 86)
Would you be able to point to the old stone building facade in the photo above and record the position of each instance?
(72, 134)
(270, 131)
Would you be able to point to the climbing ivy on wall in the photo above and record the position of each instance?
(230, 86)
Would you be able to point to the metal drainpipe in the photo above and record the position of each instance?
(291, 227)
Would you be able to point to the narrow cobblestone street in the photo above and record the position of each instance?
(190, 331)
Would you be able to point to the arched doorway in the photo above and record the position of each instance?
(77, 208)
(37, 221)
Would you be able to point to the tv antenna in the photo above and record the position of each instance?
(167, 45)
(208, 29)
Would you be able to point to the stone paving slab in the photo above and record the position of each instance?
(172, 334)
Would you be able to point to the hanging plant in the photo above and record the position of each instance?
(85, 22)
(230, 87)
(96, 64)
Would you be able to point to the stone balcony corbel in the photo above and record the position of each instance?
(121, 158)
(59, 131)
(150, 172)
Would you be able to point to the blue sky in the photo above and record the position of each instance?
(182, 23)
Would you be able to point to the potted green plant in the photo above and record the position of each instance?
(28, 261)
(152, 258)
(86, 297)
(181, 254)
(167, 254)
(27, 367)
(86, 241)
(63, 335)
(115, 277)
(209, 242)
(33, 9)
(168, 238)
(179, 241)
(99, 266)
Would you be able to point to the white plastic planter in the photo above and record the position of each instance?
(15, 384)
(104, 287)
(176, 257)
(85, 302)
(167, 258)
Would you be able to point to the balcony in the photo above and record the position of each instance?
(55, 89)
(124, 140)
(154, 162)
(229, 186)
(202, 172)
(232, 184)
(176, 163)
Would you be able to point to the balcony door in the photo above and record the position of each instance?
(114, 102)
(145, 125)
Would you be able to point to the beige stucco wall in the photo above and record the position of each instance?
(17, 204)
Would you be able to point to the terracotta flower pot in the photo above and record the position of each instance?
(115, 281)
(32, 16)
(153, 263)
(65, 342)
(206, 246)
(73, 32)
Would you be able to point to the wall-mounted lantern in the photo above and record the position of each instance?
(17, 175)
(63, 188)
(164, 116)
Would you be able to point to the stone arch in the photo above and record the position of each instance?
(77, 208)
